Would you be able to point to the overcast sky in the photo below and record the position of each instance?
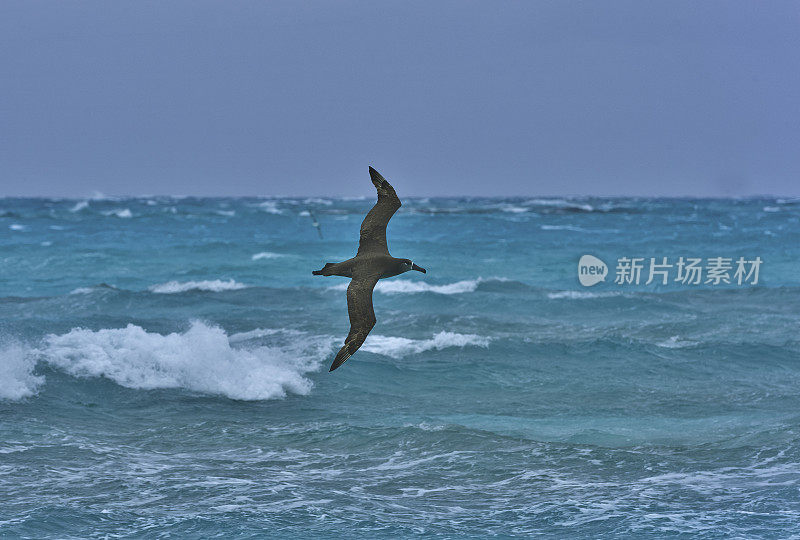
(444, 98)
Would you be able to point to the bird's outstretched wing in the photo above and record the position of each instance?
(362, 317)
(373, 228)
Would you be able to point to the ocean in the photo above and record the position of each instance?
(164, 370)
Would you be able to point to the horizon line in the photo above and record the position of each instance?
(97, 196)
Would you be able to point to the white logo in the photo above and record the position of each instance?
(591, 270)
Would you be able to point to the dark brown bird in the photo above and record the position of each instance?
(371, 263)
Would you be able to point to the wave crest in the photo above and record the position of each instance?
(400, 286)
(405, 286)
(200, 359)
(215, 285)
(17, 380)
(266, 255)
(398, 347)
(124, 213)
(271, 207)
(80, 205)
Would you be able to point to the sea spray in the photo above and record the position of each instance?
(200, 359)
(17, 378)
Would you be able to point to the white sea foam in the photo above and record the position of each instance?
(226, 213)
(270, 207)
(267, 255)
(562, 228)
(17, 227)
(80, 205)
(200, 359)
(314, 200)
(771, 209)
(404, 286)
(216, 285)
(398, 347)
(514, 209)
(82, 290)
(400, 286)
(17, 380)
(560, 203)
(119, 212)
(674, 342)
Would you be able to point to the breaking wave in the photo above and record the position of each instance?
(119, 212)
(404, 286)
(271, 207)
(511, 209)
(17, 380)
(400, 286)
(216, 285)
(266, 255)
(82, 290)
(80, 205)
(675, 342)
(561, 204)
(562, 228)
(398, 347)
(200, 359)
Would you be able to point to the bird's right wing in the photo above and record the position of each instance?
(373, 229)
(362, 317)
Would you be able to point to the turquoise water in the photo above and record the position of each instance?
(163, 372)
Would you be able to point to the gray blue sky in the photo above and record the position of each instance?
(445, 98)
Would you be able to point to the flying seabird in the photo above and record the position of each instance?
(371, 263)
(315, 223)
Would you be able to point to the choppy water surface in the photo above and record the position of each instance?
(163, 371)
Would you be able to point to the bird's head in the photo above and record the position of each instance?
(408, 264)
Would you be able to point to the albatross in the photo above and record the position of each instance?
(371, 263)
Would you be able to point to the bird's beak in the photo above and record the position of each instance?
(418, 268)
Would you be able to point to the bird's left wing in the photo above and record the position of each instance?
(373, 228)
(362, 316)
